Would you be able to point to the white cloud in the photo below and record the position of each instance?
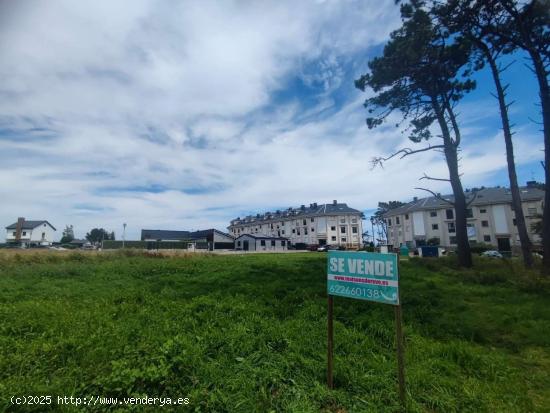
(166, 115)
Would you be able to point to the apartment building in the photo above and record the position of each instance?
(316, 224)
(491, 219)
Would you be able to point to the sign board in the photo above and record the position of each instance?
(363, 275)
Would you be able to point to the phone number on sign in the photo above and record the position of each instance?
(355, 291)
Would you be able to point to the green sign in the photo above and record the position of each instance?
(363, 275)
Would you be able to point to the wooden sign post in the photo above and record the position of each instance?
(371, 277)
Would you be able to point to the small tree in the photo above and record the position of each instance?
(68, 234)
(417, 75)
(97, 235)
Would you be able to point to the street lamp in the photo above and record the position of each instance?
(123, 234)
(372, 229)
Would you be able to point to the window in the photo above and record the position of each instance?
(397, 221)
(469, 213)
(293, 231)
(14, 233)
(485, 224)
(450, 214)
(451, 227)
(298, 231)
(43, 235)
(272, 242)
(312, 220)
(354, 230)
(406, 216)
(435, 226)
(452, 240)
(262, 243)
(354, 220)
(343, 239)
(343, 229)
(487, 238)
(238, 243)
(283, 232)
(342, 220)
(283, 243)
(482, 211)
(312, 229)
(389, 222)
(305, 231)
(25, 233)
(333, 228)
(514, 222)
(303, 221)
(433, 213)
(333, 238)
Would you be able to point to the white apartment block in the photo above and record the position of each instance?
(318, 224)
(491, 219)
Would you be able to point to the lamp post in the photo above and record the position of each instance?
(123, 234)
(372, 229)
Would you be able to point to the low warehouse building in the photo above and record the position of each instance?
(248, 242)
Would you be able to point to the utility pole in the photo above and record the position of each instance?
(123, 234)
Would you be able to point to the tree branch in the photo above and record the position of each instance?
(379, 160)
(437, 196)
(434, 179)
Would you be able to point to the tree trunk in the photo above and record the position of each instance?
(514, 187)
(451, 156)
(544, 91)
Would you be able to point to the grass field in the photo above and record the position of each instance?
(247, 333)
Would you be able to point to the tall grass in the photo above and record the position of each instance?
(247, 333)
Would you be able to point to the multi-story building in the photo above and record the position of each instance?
(491, 219)
(332, 224)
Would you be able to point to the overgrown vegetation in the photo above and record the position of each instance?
(247, 333)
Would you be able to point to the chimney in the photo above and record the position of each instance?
(334, 202)
(315, 205)
(415, 199)
(19, 228)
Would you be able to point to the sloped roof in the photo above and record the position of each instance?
(485, 196)
(261, 237)
(31, 224)
(164, 234)
(300, 212)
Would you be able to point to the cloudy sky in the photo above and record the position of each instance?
(184, 115)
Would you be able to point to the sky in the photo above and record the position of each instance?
(185, 115)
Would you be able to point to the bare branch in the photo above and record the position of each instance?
(434, 179)
(472, 200)
(437, 196)
(379, 160)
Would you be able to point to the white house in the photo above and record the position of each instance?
(30, 233)
(248, 242)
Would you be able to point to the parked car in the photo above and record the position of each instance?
(491, 254)
(325, 248)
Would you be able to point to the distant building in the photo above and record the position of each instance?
(334, 224)
(214, 238)
(30, 233)
(249, 242)
(491, 219)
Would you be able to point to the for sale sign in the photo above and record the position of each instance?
(363, 275)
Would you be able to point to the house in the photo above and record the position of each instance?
(249, 242)
(30, 233)
(490, 219)
(318, 224)
(214, 239)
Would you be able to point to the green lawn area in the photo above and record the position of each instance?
(247, 333)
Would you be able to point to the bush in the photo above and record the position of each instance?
(479, 248)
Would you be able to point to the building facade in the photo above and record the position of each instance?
(318, 224)
(249, 242)
(491, 219)
(30, 233)
(215, 239)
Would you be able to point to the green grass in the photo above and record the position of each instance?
(248, 334)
